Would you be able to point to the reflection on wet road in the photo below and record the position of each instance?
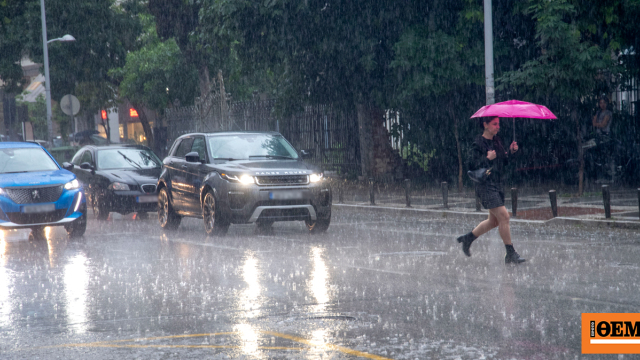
(375, 286)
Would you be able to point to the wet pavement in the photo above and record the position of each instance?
(378, 285)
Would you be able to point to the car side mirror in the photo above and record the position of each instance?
(193, 157)
(87, 166)
(67, 166)
(306, 154)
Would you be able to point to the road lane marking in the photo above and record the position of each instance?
(314, 344)
(339, 348)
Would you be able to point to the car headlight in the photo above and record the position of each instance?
(118, 186)
(72, 185)
(315, 177)
(2, 192)
(243, 179)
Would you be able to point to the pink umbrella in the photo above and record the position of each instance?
(514, 109)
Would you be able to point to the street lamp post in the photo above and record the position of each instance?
(47, 84)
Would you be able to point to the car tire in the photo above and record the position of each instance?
(168, 219)
(78, 227)
(320, 225)
(100, 209)
(215, 223)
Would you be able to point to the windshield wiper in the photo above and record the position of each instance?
(129, 160)
(228, 159)
(15, 172)
(272, 156)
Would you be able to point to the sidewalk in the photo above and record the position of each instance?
(533, 204)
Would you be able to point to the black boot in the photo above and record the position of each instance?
(466, 241)
(512, 256)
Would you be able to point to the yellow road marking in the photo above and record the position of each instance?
(118, 344)
(329, 346)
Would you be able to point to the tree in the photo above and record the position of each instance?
(105, 30)
(153, 77)
(568, 67)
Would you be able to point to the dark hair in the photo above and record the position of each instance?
(486, 119)
(605, 98)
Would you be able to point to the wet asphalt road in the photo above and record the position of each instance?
(375, 286)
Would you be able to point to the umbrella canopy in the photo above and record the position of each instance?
(515, 109)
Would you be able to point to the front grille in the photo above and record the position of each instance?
(34, 195)
(149, 189)
(283, 180)
(22, 218)
(284, 214)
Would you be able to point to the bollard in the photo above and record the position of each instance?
(372, 197)
(554, 202)
(606, 199)
(445, 195)
(514, 201)
(477, 202)
(407, 191)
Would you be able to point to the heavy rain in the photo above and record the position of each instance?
(282, 179)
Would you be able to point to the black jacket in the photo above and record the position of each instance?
(478, 157)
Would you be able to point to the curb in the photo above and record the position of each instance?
(555, 222)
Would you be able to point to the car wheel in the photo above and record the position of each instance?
(168, 219)
(78, 227)
(100, 209)
(37, 234)
(214, 221)
(320, 225)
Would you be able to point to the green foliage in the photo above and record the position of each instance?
(156, 75)
(412, 155)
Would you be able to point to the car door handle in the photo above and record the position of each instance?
(184, 166)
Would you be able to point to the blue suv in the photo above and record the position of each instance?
(35, 192)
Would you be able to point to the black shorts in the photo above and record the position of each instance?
(491, 195)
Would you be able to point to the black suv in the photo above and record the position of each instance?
(241, 177)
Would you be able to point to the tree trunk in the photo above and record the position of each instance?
(574, 117)
(365, 133)
(144, 121)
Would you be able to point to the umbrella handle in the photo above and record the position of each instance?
(514, 129)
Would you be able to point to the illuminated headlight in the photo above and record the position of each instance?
(72, 185)
(2, 192)
(243, 179)
(315, 177)
(118, 186)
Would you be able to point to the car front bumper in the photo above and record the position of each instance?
(131, 201)
(66, 210)
(255, 203)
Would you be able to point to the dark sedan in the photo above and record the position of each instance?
(118, 178)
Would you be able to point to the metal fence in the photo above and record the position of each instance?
(331, 136)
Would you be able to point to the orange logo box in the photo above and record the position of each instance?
(613, 333)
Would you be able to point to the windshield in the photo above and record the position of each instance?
(127, 158)
(245, 146)
(20, 160)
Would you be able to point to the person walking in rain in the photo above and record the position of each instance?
(489, 153)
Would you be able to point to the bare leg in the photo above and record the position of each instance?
(486, 225)
(502, 216)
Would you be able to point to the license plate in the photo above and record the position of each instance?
(31, 209)
(147, 198)
(286, 195)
